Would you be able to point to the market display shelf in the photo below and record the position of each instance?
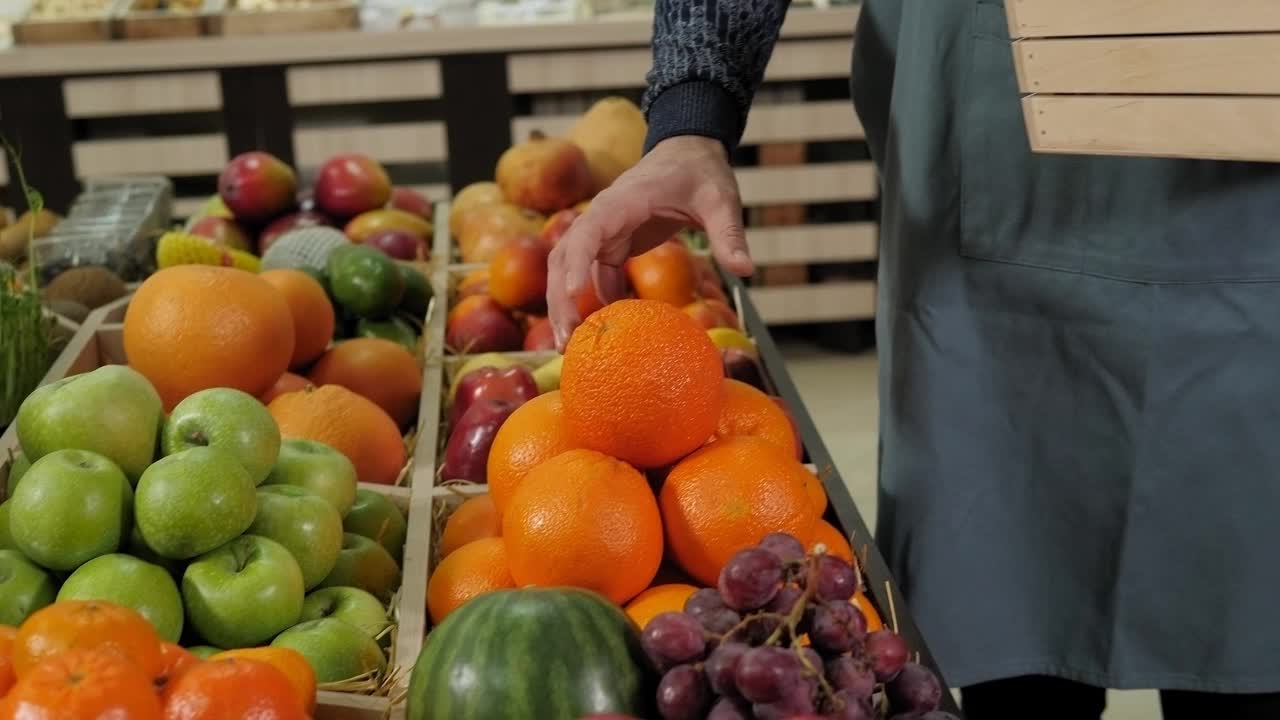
(1178, 78)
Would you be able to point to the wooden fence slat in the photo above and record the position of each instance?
(389, 142)
(830, 243)
(179, 92)
(814, 183)
(176, 155)
(352, 83)
(821, 302)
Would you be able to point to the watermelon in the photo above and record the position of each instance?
(544, 653)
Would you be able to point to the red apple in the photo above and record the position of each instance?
(741, 365)
(514, 384)
(540, 336)
(712, 314)
(351, 184)
(478, 324)
(466, 456)
(222, 231)
(556, 226)
(410, 200)
(795, 429)
(292, 221)
(399, 244)
(257, 186)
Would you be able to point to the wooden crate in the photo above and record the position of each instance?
(1158, 78)
(316, 16)
(99, 341)
(85, 28)
(138, 21)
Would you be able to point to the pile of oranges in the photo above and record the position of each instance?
(193, 327)
(638, 479)
(97, 660)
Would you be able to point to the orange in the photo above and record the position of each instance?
(475, 282)
(175, 660)
(657, 600)
(287, 383)
(288, 661)
(381, 370)
(666, 273)
(534, 433)
(232, 687)
(518, 275)
(7, 676)
(474, 519)
(837, 544)
(747, 412)
(348, 422)
(313, 316)
(641, 382)
(470, 571)
(95, 684)
(727, 497)
(193, 327)
(863, 603)
(817, 493)
(586, 520)
(86, 625)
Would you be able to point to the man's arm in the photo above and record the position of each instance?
(708, 59)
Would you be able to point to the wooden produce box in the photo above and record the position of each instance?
(267, 17)
(150, 19)
(50, 22)
(1158, 78)
(99, 341)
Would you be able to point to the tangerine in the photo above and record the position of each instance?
(641, 382)
(87, 625)
(287, 383)
(726, 497)
(586, 520)
(7, 676)
(657, 600)
(863, 603)
(518, 275)
(472, 570)
(836, 543)
(380, 370)
(313, 316)
(232, 687)
(288, 661)
(347, 422)
(533, 434)
(174, 660)
(817, 493)
(747, 412)
(475, 518)
(99, 683)
(666, 273)
(193, 327)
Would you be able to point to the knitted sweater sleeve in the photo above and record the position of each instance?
(708, 59)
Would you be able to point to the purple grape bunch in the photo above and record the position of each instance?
(778, 638)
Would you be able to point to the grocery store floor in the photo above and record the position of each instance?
(839, 390)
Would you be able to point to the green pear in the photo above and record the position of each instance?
(547, 376)
(227, 419)
(72, 506)
(113, 411)
(132, 583)
(194, 501)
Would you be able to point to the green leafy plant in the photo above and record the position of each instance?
(25, 329)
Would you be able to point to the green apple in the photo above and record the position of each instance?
(335, 649)
(348, 604)
(318, 468)
(17, 469)
(364, 564)
(6, 536)
(244, 593)
(72, 506)
(377, 518)
(138, 547)
(132, 583)
(204, 652)
(194, 501)
(24, 588)
(112, 411)
(305, 524)
(229, 419)
(547, 376)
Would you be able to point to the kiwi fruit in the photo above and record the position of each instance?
(69, 309)
(90, 286)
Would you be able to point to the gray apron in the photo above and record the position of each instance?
(1080, 380)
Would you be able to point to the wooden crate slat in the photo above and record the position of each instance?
(1221, 128)
(178, 92)
(1064, 18)
(816, 183)
(389, 142)
(821, 302)
(1172, 65)
(802, 121)
(835, 242)
(180, 155)
(351, 83)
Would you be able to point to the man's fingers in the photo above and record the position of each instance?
(722, 219)
(610, 282)
(561, 307)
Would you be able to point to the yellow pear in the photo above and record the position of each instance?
(611, 134)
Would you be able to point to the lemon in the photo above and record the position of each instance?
(725, 338)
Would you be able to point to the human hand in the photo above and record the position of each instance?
(684, 181)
